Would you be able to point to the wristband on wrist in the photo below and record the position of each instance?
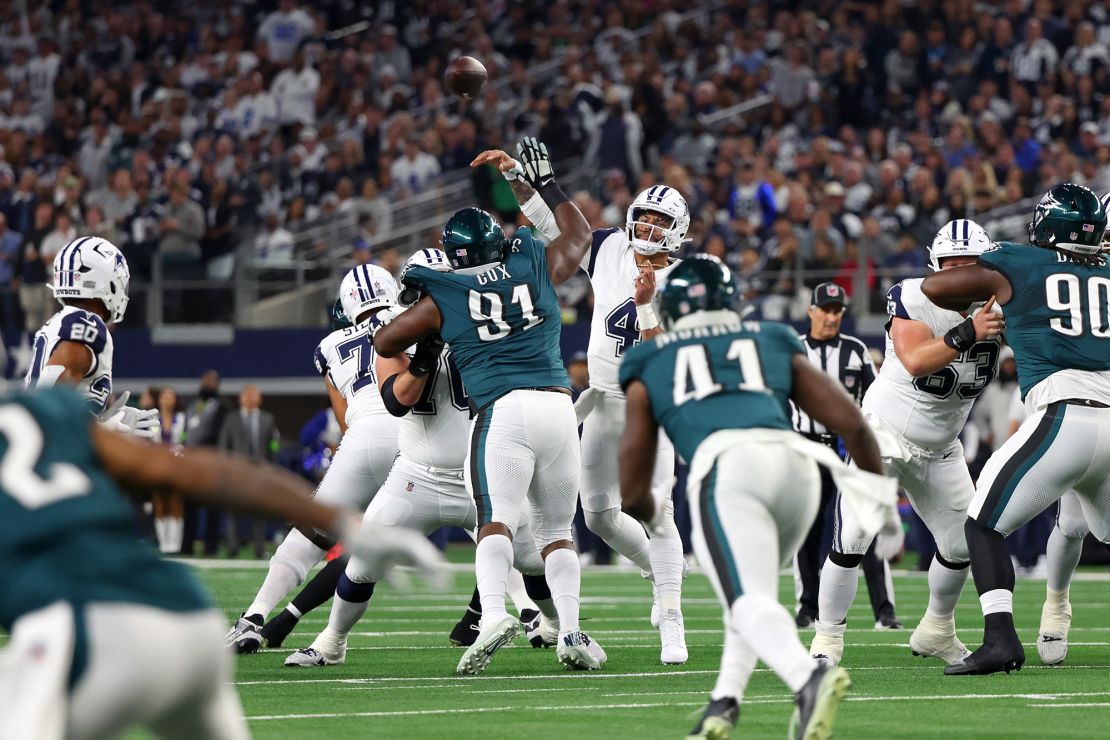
(962, 336)
(552, 194)
(646, 318)
(516, 172)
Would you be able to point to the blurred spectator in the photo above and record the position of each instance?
(10, 268)
(284, 29)
(294, 90)
(274, 244)
(182, 226)
(169, 509)
(250, 432)
(204, 418)
(35, 297)
(415, 168)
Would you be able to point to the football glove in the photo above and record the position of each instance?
(126, 420)
(389, 546)
(383, 317)
(426, 357)
(535, 161)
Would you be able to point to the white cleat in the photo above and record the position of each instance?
(672, 633)
(310, 657)
(935, 638)
(246, 635)
(828, 642)
(1052, 638)
(542, 632)
(492, 637)
(578, 652)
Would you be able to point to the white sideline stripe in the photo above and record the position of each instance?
(648, 705)
(1070, 705)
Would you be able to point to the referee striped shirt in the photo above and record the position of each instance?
(845, 359)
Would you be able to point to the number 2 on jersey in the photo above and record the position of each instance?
(1064, 293)
(693, 374)
(17, 467)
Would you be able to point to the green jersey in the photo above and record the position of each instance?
(1058, 317)
(705, 378)
(503, 326)
(66, 531)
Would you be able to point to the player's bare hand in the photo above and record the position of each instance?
(498, 158)
(988, 323)
(644, 285)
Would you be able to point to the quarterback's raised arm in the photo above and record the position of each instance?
(405, 330)
(565, 252)
(958, 287)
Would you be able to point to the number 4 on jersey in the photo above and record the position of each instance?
(620, 324)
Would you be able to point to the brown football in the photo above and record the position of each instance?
(466, 77)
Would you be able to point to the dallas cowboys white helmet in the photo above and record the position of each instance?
(668, 202)
(433, 259)
(958, 238)
(91, 267)
(364, 288)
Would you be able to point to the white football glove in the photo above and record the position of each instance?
(889, 541)
(383, 317)
(142, 422)
(390, 546)
(535, 161)
(114, 408)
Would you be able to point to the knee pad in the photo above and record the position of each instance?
(952, 544)
(845, 560)
(298, 553)
(603, 523)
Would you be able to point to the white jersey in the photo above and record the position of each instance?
(346, 357)
(929, 411)
(434, 432)
(614, 329)
(83, 327)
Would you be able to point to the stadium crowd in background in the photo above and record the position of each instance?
(183, 137)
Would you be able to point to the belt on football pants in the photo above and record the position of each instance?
(474, 408)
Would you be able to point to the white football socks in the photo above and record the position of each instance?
(345, 614)
(622, 533)
(493, 560)
(945, 586)
(564, 578)
(837, 592)
(667, 563)
(769, 629)
(1062, 555)
(737, 664)
(288, 567)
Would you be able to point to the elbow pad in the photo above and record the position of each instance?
(392, 405)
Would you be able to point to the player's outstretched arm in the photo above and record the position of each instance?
(531, 205)
(637, 454)
(406, 329)
(958, 287)
(565, 252)
(922, 353)
(827, 403)
(236, 483)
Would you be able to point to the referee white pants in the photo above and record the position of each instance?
(523, 454)
(144, 667)
(1063, 446)
(601, 436)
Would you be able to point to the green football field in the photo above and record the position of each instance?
(399, 679)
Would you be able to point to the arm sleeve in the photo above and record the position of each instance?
(536, 211)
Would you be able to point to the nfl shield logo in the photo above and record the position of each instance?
(1074, 235)
(409, 487)
(849, 382)
(834, 291)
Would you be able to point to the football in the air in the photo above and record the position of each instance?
(466, 77)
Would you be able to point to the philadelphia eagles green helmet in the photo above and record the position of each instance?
(701, 283)
(473, 241)
(1069, 217)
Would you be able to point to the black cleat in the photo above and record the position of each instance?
(277, 629)
(805, 619)
(718, 721)
(245, 637)
(817, 702)
(466, 631)
(1002, 653)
